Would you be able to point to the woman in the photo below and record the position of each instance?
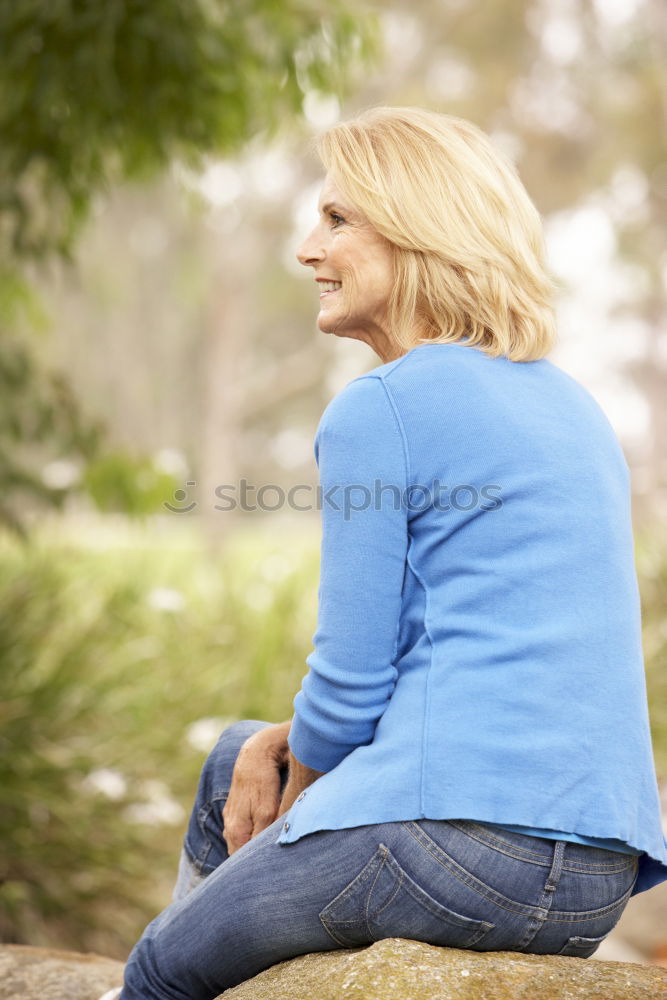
(469, 761)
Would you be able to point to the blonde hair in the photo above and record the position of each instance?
(468, 242)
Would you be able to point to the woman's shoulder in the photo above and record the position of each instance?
(373, 383)
(457, 380)
(362, 400)
(469, 376)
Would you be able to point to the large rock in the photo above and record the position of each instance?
(408, 970)
(44, 974)
(389, 970)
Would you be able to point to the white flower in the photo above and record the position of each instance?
(172, 461)
(203, 734)
(107, 782)
(158, 807)
(276, 567)
(166, 599)
(61, 474)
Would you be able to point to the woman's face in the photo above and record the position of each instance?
(353, 267)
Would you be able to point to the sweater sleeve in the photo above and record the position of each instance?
(361, 456)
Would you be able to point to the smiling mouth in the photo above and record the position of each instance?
(326, 287)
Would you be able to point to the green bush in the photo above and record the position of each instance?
(107, 658)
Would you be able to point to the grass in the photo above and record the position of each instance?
(111, 656)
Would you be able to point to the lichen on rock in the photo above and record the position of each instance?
(397, 969)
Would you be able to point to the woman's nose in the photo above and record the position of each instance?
(311, 250)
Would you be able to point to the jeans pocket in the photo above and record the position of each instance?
(383, 901)
(581, 947)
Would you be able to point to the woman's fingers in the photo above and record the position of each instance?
(237, 827)
(252, 805)
(254, 795)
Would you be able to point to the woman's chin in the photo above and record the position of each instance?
(333, 328)
(325, 324)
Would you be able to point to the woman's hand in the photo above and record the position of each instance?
(254, 797)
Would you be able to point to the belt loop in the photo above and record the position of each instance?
(554, 875)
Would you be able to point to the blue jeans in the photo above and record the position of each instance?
(448, 882)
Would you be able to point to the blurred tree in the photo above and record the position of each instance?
(573, 89)
(91, 95)
(35, 405)
(96, 93)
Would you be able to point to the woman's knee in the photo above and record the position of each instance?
(234, 736)
(219, 765)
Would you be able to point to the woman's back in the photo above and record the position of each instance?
(494, 609)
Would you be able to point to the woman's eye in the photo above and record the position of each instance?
(337, 219)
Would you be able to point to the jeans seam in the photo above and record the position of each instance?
(504, 847)
(339, 940)
(393, 895)
(436, 909)
(525, 909)
(562, 916)
(591, 868)
(199, 857)
(535, 925)
(523, 854)
(359, 880)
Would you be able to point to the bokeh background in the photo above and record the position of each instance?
(158, 349)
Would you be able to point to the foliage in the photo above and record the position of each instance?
(119, 482)
(106, 659)
(38, 412)
(93, 93)
(37, 408)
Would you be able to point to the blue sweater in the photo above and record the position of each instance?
(478, 645)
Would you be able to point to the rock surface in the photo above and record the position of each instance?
(408, 970)
(44, 974)
(389, 970)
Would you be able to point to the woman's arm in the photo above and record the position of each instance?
(363, 479)
(363, 466)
